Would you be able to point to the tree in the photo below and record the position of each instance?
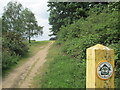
(11, 18)
(0, 43)
(17, 23)
(13, 42)
(64, 13)
(12, 29)
(0, 26)
(30, 24)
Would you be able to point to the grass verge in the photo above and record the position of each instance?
(60, 71)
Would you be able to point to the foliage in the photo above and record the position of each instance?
(64, 13)
(14, 44)
(100, 26)
(11, 18)
(8, 60)
(30, 24)
(98, 30)
(19, 20)
(17, 25)
(116, 47)
(0, 26)
(0, 47)
(12, 49)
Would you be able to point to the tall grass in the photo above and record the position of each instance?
(62, 71)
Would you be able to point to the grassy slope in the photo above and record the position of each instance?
(33, 48)
(61, 71)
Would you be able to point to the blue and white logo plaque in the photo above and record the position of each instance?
(104, 70)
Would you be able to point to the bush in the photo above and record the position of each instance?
(13, 47)
(15, 43)
(8, 60)
(77, 47)
(100, 28)
(95, 29)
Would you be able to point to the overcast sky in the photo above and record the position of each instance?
(39, 8)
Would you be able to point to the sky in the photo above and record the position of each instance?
(39, 8)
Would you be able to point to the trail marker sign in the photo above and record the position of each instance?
(104, 70)
(100, 67)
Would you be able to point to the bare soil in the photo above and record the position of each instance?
(22, 76)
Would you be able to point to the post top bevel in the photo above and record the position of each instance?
(99, 46)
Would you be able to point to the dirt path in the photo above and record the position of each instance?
(22, 76)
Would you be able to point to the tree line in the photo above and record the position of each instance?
(18, 26)
(80, 25)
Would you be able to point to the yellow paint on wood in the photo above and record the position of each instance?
(95, 55)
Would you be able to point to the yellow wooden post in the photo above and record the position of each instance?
(99, 67)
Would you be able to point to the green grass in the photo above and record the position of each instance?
(33, 49)
(34, 45)
(61, 71)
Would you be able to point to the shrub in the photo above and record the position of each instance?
(13, 47)
(100, 28)
(8, 60)
(15, 43)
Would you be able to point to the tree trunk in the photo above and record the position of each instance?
(29, 40)
(29, 37)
